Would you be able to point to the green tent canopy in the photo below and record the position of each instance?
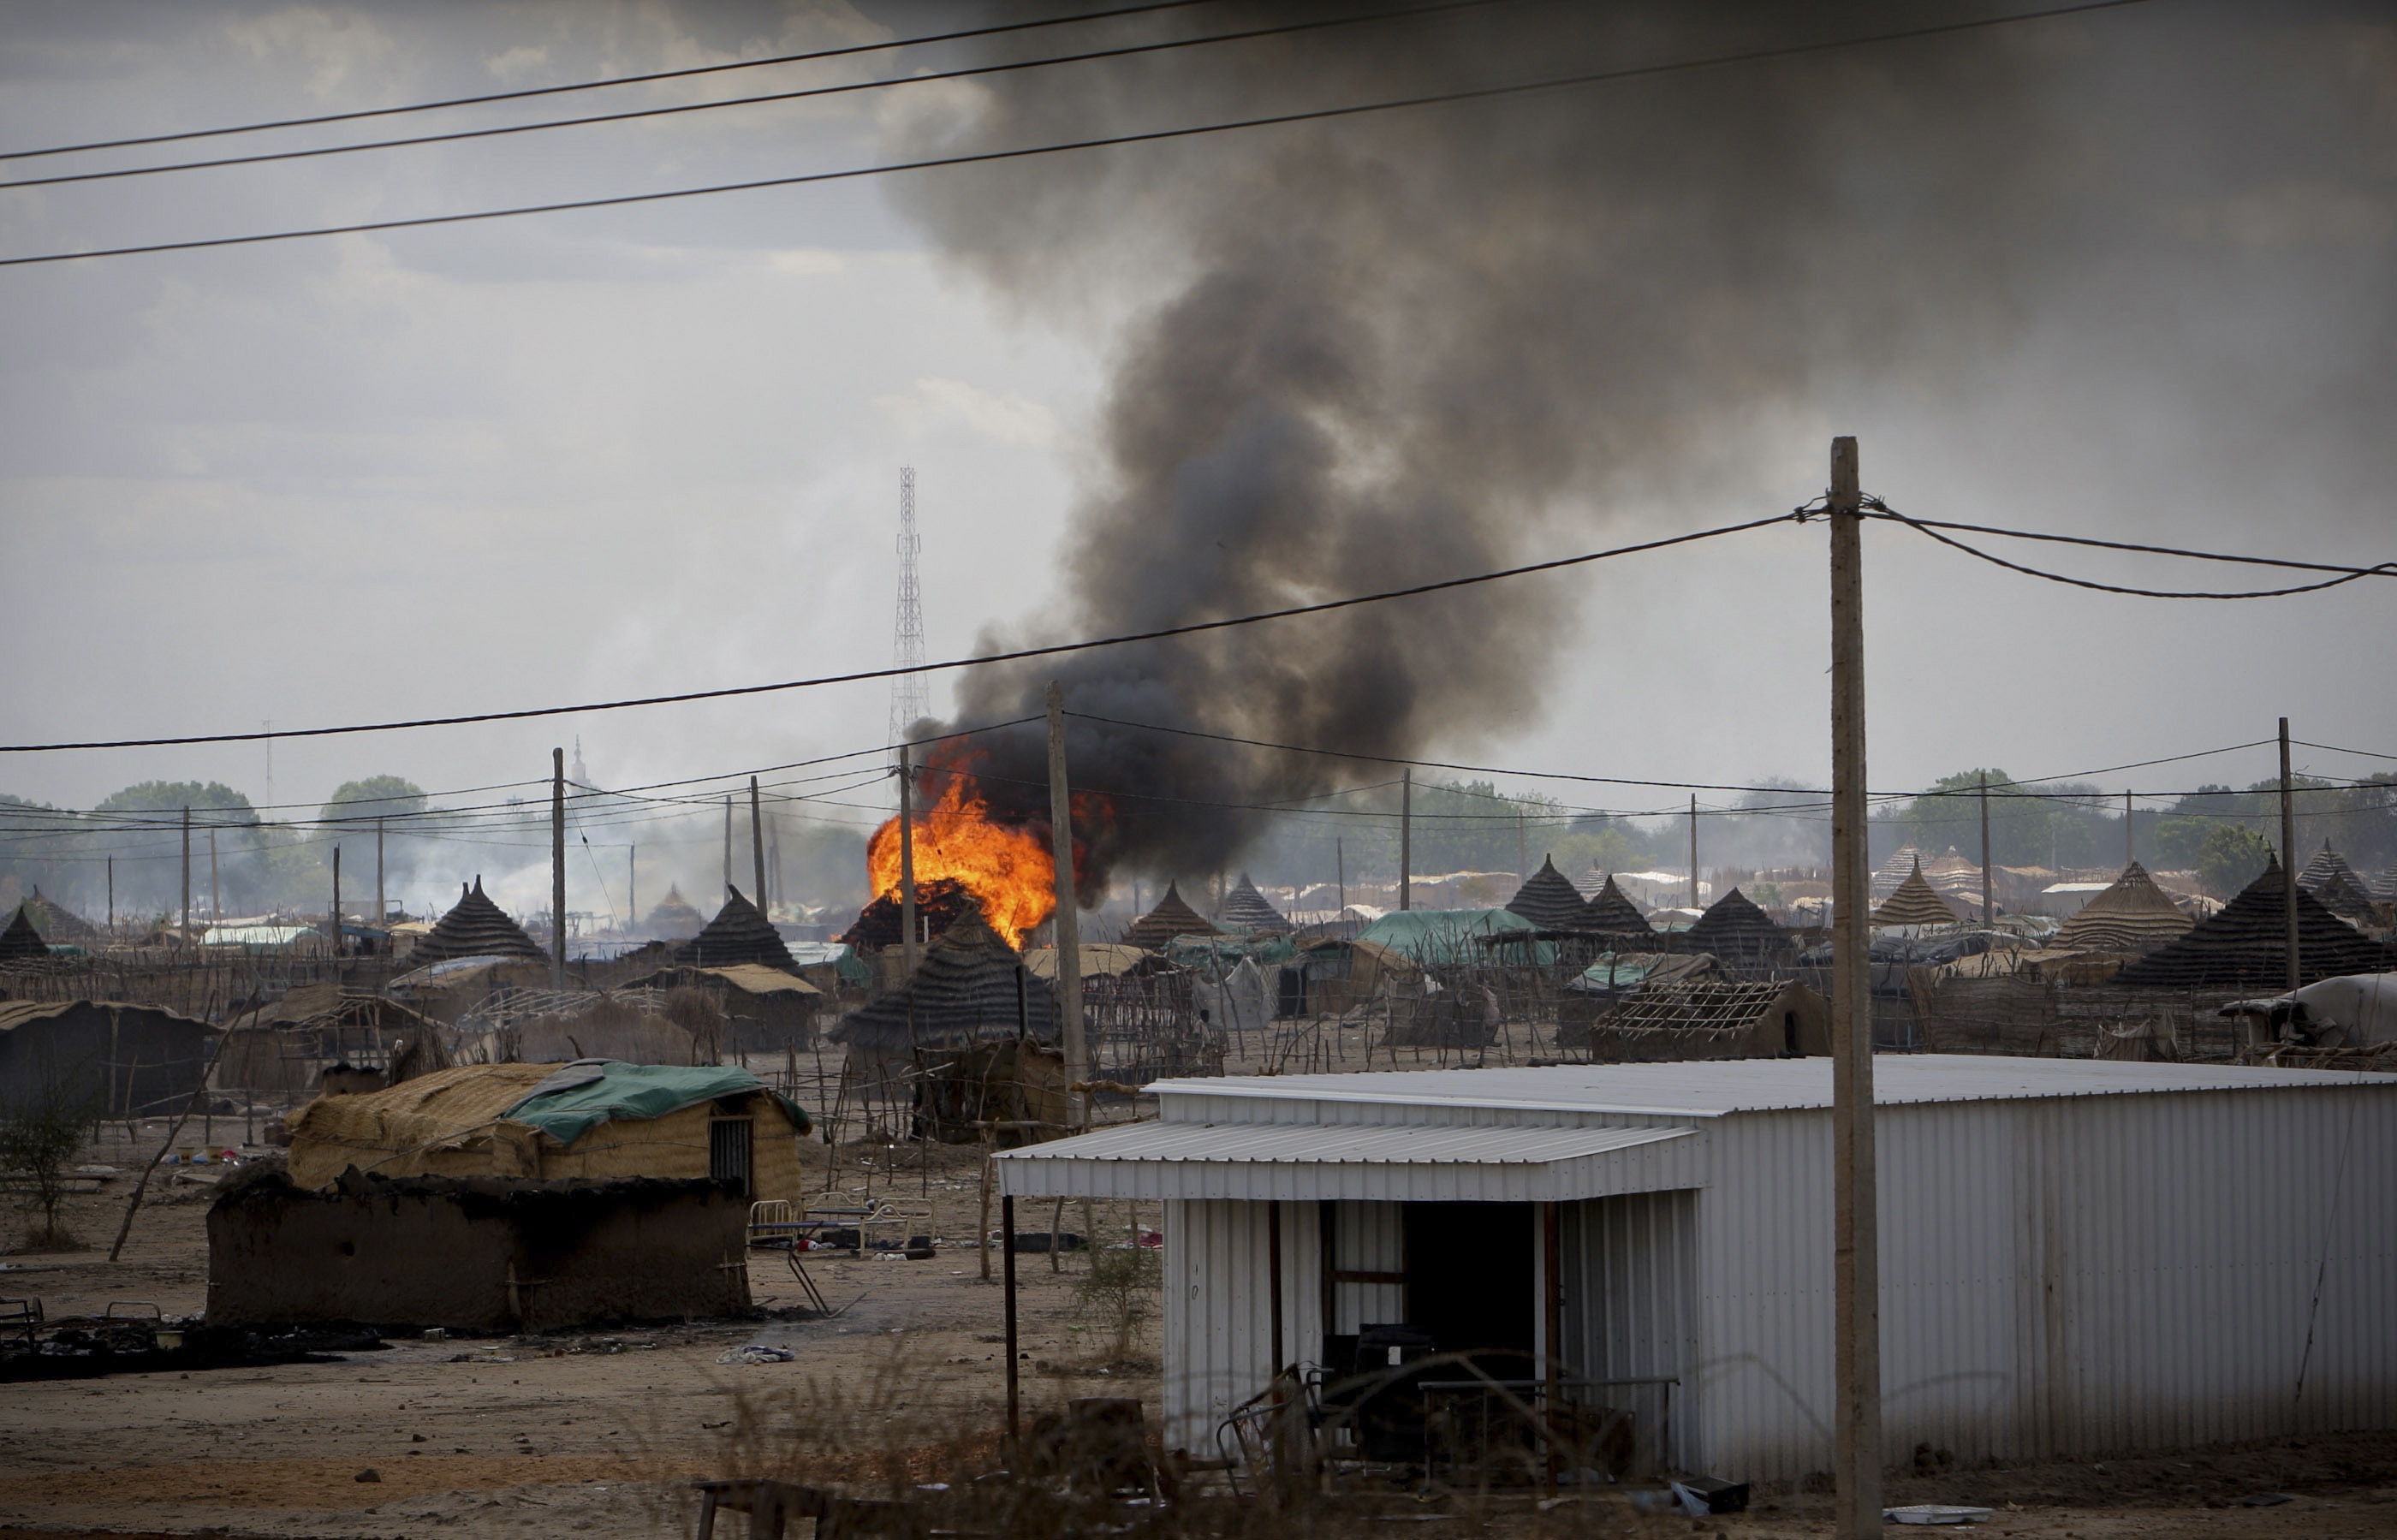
(583, 1096)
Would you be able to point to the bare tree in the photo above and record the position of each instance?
(42, 1129)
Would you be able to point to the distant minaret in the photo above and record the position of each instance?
(909, 700)
(580, 776)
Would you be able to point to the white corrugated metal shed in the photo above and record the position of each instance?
(2077, 1255)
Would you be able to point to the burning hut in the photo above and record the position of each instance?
(1171, 918)
(967, 988)
(1915, 901)
(2245, 945)
(21, 942)
(739, 934)
(2132, 916)
(1549, 901)
(1246, 912)
(674, 918)
(474, 927)
(1610, 913)
(938, 905)
(1734, 929)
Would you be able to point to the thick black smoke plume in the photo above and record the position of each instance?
(1395, 348)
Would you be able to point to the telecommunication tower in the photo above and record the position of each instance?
(909, 701)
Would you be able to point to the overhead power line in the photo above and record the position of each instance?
(862, 676)
(804, 94)
(984, 158)
(1934, 528)
(527, 93)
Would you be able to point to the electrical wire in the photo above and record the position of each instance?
(808, 93)
(1152, 136)
(862, 676)
(527, 93)
(2346, 574)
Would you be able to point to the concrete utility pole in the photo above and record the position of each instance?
(558, 867)
(1989, 864)
(1069, 924)
(758, 846)
(1077, 1061)
(187, 870)
(1694, 850)
(1407, 840)
(908, 946)
(1856, 1235)
(2289, 861)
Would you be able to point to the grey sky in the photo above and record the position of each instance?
(624, 452)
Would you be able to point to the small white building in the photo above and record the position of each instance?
(2077, 1257)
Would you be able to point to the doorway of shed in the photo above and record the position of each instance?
(1469, 1277)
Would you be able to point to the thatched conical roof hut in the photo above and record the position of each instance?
(2326, 864)
(963, 990)
(1914, 903)
(1171, 918)
(1246, 911)
(474, 927)
(1548, 900)
(2133, 916)
(2345, 896)
(57, 922)
(21, 942)
(1890, 873)
(738, 933)
(1734, 929)
(1610, 912)
(674, 918)
(2244, 945)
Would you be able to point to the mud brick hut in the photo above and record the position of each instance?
(1700, 1018)
(2133, 916)
(475, 1254)
(600, 1120)
(2077, 1257)
(115, 1060)
(1549, 901)
(739, 935)
(1172, 916)
(474, 927)
(765, 1008)
(1914, 901)
(2245, 945)
(1247, 912)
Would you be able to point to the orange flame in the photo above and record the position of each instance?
(1007, 869)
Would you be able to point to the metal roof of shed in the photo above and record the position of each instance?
(1714, 1088)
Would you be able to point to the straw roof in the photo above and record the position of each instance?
(1610, 912)
(1914, 903)
(1890, 873)
(674, 918)
(738, 934)
(2244, 946)
(475, 927)
(2344, 895)
(20, 940)
(56, 920)
(2327, 863)
(1171, 918)
(2133, 916)
(1734, 926)
(437, 1113)
(1246, 911)
(963, 989)
(1549, 901)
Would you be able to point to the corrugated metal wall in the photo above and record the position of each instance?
(2064, 1276)
(1219, 1314)
(1631, 1305)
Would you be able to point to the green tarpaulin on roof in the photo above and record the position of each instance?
(613, 1090)
(1215, 953)
(1451, 936)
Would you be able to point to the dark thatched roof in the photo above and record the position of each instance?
(1734, 926)
(475, 927)
(1609, 911)
(1914, 903)
(2244, 945)
(2344, 895)
(738, 933)
(963, 990)
(1171, 918)
(674, 918)
(56, 921)
(939, 902)
(21, 940)
(1549, 900)
(2133, 916)
(1246, 911)
(2326, 864)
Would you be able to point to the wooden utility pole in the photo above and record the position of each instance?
(633, 886)
(1989, 864)
(111, 898)
(757, 847)
(1856, 1235)
(1694, 850)
(558, 867)
(2288, 861)
(728, 844)
(1407, 840)
(215, 893)
(382, 912)
(1340, 875)
(2130, 845)
(1069, 926)
(908, 942)
(337, 912)
(187, 870)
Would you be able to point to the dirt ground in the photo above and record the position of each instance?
(597, 1434)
